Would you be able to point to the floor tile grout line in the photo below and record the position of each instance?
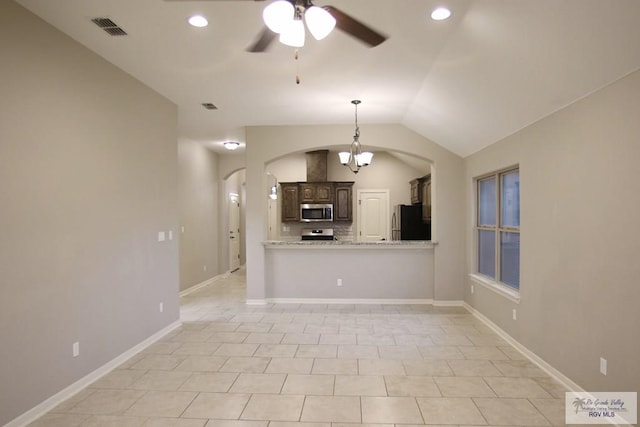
(189, 404)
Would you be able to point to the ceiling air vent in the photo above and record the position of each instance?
(109, 26)
(209, 106)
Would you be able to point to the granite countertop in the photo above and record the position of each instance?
(326, 243)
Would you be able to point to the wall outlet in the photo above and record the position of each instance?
(182, 229)
(515, 314)
(204, 268)
(339, 282)
(76, 349)
(472, 290)
(170, 235)
(603, 366)
(161, 307)
(161, 236)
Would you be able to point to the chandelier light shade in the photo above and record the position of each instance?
(344, 156)
(365, 158)
(319, 21)
(283, 18)
(355, 158)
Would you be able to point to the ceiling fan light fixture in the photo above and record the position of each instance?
(319, 21)
(440, 14)
(293, 34)
(278, 15)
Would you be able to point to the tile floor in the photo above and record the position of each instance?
(318, 365)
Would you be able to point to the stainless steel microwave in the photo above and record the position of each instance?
(322, 212)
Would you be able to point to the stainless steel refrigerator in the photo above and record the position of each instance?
(407, 224)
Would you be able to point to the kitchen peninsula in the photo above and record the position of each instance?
(346, 271)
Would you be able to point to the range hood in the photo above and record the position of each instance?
(317, 165)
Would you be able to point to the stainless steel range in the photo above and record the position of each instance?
(317, 234)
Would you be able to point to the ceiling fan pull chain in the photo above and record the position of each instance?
(296, 57)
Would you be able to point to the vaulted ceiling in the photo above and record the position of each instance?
(494, 67)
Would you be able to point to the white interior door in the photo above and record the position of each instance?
(373, 215)
(234, 232)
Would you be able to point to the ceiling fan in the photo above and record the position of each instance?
(303, 9)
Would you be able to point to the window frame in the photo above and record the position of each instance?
(494, 282)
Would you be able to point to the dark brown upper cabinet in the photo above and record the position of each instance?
(316, 192)
(343, 208)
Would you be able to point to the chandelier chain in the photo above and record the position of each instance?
(357, 134)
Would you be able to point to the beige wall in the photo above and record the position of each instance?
(579, 180)
(87, 180)
(266, 143)
(198, 196)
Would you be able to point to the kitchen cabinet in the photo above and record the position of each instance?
(426, 198)
(316, 192)
(339, 194)
(290, 202)
(416, 193)
(343, 208)
(421, 195)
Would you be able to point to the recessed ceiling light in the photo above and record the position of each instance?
(231, 145)
(198, 21)
(440, 14)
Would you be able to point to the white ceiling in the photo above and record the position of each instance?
(493, 68)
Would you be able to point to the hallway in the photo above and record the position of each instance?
(233, 365)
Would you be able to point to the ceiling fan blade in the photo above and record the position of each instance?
(355, 28)
(263, 41)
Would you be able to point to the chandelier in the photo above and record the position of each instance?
(355, 158)
(283, 18)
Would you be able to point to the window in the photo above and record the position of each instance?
(498, 227)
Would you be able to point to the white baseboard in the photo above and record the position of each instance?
(448, 303)
(203, 284)
(541, 363)
(347, 301)
(398, 301)
(44, 407)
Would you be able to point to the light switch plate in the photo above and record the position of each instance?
(161, 236)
